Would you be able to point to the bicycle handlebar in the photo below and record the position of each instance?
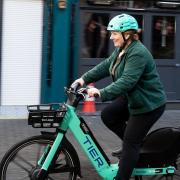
(75, 86)
(75, 95)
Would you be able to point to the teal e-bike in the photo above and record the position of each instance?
(50, 156)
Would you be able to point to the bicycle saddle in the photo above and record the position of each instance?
(160, 147)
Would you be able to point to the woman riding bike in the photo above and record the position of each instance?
(137, 93)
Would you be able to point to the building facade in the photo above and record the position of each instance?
(46, 44)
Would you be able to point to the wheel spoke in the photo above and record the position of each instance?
(20, 161)
(38, 153)
(25, 161)
(25, 177)
(21, 166)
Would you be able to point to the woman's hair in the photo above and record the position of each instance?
(134, 35)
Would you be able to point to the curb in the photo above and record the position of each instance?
(20, 112)
(13, 112)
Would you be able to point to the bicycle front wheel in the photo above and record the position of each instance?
(20, 162)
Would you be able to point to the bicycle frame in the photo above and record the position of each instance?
(92, 150)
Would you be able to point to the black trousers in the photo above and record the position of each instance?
(131, 129)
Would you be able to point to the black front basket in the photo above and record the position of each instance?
(46, 115)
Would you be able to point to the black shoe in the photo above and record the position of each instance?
(117, 153)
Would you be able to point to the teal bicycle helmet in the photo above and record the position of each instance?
(122, 23)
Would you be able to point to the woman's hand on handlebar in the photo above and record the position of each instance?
(93, 92)
(80, 81)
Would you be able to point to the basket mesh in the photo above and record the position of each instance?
(46, 116)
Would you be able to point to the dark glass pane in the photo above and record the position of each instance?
(123, 4)
(163, 37)
(95, 40)
(136, 4)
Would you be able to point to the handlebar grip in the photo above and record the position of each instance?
(75, 86)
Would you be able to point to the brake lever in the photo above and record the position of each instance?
(70, 90)
(82, 92)
(75, 86)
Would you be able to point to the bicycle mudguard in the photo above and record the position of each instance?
(161, 147)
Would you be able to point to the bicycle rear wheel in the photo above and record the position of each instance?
(176, 176)
(20, 162)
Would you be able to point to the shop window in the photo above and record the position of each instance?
(163, 37)
(123, 4)
(95, 37)
(136, 4)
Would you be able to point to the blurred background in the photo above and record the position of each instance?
(46, 44)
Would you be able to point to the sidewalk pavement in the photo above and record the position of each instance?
(13, 112)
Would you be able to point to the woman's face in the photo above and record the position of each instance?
(117, 38)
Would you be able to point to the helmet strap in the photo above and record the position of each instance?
(126, 39)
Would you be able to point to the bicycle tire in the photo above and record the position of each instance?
(176, 175)
(21, 160)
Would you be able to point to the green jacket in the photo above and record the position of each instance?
(135, 76)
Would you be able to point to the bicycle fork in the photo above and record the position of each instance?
(48, 157)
